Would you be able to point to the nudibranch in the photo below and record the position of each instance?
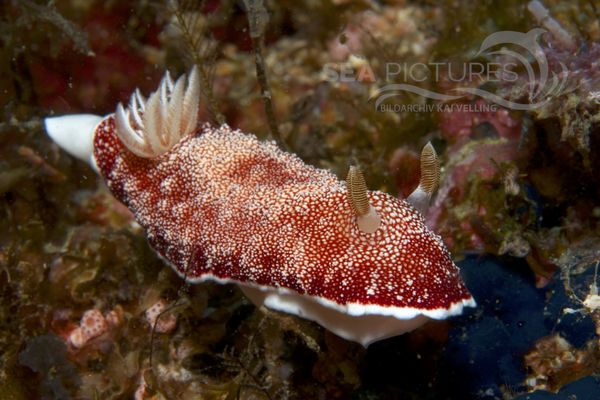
(220, 205)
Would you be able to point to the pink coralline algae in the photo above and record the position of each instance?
(220, 205)
(457, 126)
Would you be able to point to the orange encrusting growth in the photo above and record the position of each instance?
(222, 205)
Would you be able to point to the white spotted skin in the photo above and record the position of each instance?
(222, 205)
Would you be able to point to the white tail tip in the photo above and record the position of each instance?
(74, 134)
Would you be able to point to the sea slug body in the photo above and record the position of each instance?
(220, 205)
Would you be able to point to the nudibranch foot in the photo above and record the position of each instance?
(355, 322)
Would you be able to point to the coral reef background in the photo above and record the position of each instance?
(88, 311)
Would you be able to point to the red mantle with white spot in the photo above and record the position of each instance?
(223, 206)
